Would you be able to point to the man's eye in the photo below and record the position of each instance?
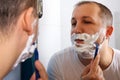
(73, 24)
(87, 22)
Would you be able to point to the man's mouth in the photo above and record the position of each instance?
(79, 41)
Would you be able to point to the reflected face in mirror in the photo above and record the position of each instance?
(86, 19)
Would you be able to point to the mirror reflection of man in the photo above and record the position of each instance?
(18, 18)
(91, 28)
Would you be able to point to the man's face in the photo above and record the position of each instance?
(86, 19)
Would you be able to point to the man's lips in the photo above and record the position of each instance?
(79, 41)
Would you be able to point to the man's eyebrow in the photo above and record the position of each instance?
(84, 17)
(87, 17)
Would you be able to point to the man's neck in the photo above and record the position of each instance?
(6, 57)
(106, 57)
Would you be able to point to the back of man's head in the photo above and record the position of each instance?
(10, 11)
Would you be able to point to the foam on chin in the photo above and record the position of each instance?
(84, 44)
(86, 49)
(86, 52)
(25, 53)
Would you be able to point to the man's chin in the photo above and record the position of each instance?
(85, 55)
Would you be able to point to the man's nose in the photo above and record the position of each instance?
(78, 29)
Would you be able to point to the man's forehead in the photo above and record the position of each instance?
(84, 17)
(86, 11)
(88, 5)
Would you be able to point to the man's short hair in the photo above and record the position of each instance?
(105, 13)
(10, 11)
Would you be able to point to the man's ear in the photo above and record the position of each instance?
(27, 20)
(109, 31)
